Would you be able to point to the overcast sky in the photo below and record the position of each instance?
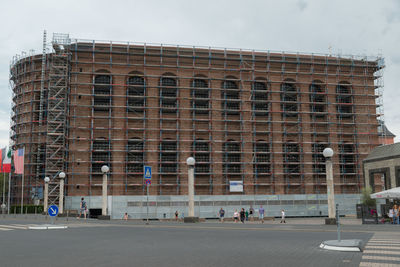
(346, 27)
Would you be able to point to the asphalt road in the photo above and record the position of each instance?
(173, 244)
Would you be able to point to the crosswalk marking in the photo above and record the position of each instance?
(384, 242)
(5, 229)
(382, 250)
(15, 226)
(372, 264)
(383, 257)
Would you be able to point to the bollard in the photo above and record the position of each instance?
(35, 212)
(26, 213)
(15, 212)
(67, 215)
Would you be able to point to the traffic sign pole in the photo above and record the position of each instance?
(147, 204)
(147, 177)
(52, 211)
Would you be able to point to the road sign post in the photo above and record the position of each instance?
(147, 176)
(53, 212)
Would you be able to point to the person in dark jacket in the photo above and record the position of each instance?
(242, 215)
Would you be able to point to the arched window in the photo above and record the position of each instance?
(291, 157)
(261, 156)
(168, 94)
(135, 94)
(344, 100)
(260, 96)
(102, 91)
(230, 96)
(168, 156)
(318, 158)
(200, 96)
(317, 100)
(347, 159)
(201, 152)
(289, 103)
(232, 157)
(135, 155)
(101, 154)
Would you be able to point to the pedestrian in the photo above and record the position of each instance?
(221, 215)
(242, 215)
(261, 213)
(176, 215)
(247, 215)
(251, 213)
(391, 212)
(283, 216)
(395, 214)
(126, 216)
(398, 214)
(236, 216)
(82, 208)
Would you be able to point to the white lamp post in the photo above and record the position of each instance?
(328, 153)
(46, 193)
(104, 169)
(61, 201)
(190, 161)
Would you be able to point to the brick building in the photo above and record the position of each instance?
(259, 117)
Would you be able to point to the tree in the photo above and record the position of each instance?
(366, 197)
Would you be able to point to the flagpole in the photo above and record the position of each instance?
(22, 194)
(4, 193)
(4, 179)
(9, 189)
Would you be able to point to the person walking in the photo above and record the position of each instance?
(82, 208)
(395, 214)
(236, 216)
(221, 215)
(251, 213)
(261, 213)
(283, 216)
(391, 212)
(176, 215)
(247, 215)
(242, 215)
(126, 216)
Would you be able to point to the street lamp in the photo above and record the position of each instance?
(61, 175)
(46, 193)
(328, 153)
(104, 169)
(190, 161)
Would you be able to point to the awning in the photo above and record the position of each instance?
(391, 193)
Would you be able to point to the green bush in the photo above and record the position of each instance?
(29, 208)
(366, 197)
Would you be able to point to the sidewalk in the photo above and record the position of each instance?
(298, 221)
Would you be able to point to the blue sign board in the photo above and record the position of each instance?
(147, 172)
(53, 210)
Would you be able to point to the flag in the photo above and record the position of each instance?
(19, 161)
(2, 156)
(6, 161)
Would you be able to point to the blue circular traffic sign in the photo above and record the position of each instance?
(53, 210)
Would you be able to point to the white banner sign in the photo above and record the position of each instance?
(235, 186)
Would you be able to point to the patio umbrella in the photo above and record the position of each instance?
(391, 193)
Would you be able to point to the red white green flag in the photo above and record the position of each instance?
(6, 161)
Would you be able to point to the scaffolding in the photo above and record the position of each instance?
(259, 117)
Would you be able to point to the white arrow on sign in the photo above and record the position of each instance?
(53, 211)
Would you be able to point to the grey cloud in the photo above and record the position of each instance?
(302, 4)
(359, 26)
